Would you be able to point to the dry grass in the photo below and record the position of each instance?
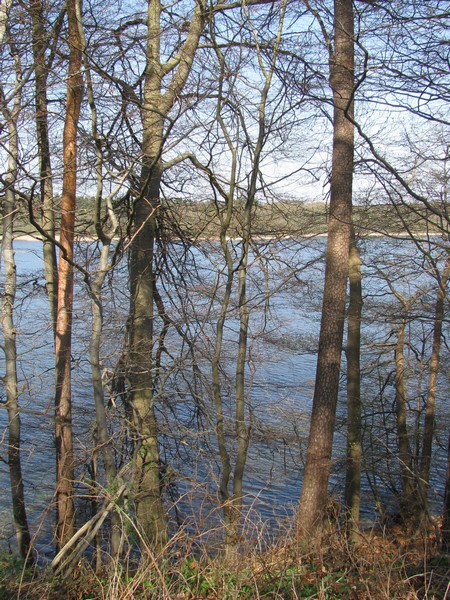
(382, 565)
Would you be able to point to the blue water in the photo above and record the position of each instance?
(285, 280)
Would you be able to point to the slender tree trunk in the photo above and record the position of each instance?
(242, 432)
(63, 339)
(12, 395)
(103, 436)
(405, 455)
(95, 289)
(215, 364)
(39, 38)
(318, 461)
(429, 424)
(354, 447)
(9, 331)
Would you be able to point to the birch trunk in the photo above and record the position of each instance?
(9, 330)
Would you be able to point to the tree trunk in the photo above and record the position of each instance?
(63, 339)
(354, 448)
(408, 501)
(39, 38)
(95, 285)
(429, 424)
(215, 365)
(156, 106)
(150, 511)
(9, 332)
(318, 461)
(103, 436)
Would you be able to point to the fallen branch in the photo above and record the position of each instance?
(68, 556)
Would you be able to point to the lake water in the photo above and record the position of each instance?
(284, 299)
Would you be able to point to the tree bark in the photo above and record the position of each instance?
(39, 42)
(354, 447)
(63, 339)
(408, 501)
(95, 285)
(429, 423)
(8, 327)
(156, 106)
(150, 511)
(318, 461)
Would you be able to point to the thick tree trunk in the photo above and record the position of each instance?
(63, 339)
(150, 511)
(156, 106)
(354, 448)
(318, 461)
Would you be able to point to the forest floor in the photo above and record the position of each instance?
(382, 565)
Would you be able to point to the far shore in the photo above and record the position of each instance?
(373, 234)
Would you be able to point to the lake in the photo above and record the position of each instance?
(284, 298)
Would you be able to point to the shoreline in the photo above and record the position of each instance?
(28, 237)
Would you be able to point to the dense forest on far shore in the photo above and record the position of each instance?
(192, 220)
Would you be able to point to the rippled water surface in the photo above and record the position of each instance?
(284, 299)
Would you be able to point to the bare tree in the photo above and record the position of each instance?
(43, 42)
(11, 109)
(315, 484)
(63, 331)
(158, 99)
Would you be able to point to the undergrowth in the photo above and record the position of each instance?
(380, 566)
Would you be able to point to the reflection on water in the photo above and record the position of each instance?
(285, 281)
